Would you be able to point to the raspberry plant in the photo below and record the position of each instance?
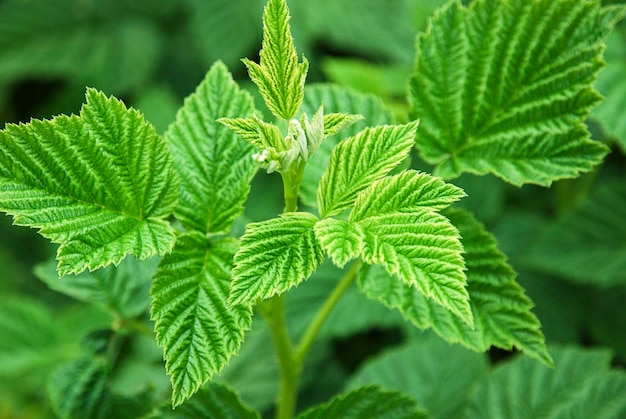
(499, 87)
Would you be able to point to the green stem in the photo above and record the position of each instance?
(273, 311)
(311, 333)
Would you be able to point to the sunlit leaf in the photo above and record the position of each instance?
(101, 184)
(501, 88)
(197, 329)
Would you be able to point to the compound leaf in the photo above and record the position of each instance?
(342, 241)
(581, 386)
(424, 250)
(336, 99)
(501, 311)
(216, 401)
(196, 328)
(214, 165)
(275, 255)
(371, 402)
(101, 184)
(405, 192)
(502, 89)
(279, 77)
(358, 161)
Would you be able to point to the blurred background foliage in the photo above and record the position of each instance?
(568, 242)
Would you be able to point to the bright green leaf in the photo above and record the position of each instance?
(424, 250)
(123, 289)
(101, 184)
(256, 131)
(336, 99)
(335, 122)
(342, 241)
(406, 192)
(582, 386)
(215, 401)
(197, 329)
(367, 402)
(215, 167)
(501, 311)
(588, 245)
(78, 389)
(501, 88)
(275, 255)
(358, 161)
(279, 77)
(439, 376)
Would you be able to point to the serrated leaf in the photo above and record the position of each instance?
(123, 289)
(587, 245)
(275, 255)
(342, 241)
(502, 89)
(406, 192)
(197, 329)
(78, 389)
(215, 401)
(214, 165)
(279, 77)
(101, 184)
(581, 386)
(501, 311)
(371, 402)
(440, 377)
(358, 161)
(336, 99)
(424, 250)
(335, 122)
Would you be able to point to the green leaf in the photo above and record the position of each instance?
(336, 99)
(439, 376)
(358, 161)
(342, 241)
(406, 192)
(588, 245)
(371, 402)
(215, 401)
(197, 329)
(256, 131)
(30, 336)
(424, 250)
(279, 77)
(612, 84)
(501, 311)
(123, 289)
(101, 184)
(78, 389)
(215, 167)
(335, 122)
(502, 89)
(275, 255)
(582, 386)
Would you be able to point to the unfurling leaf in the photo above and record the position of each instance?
(101, 184)
(279, 77)
(197, 329)
(501, 88)
(275, 255)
